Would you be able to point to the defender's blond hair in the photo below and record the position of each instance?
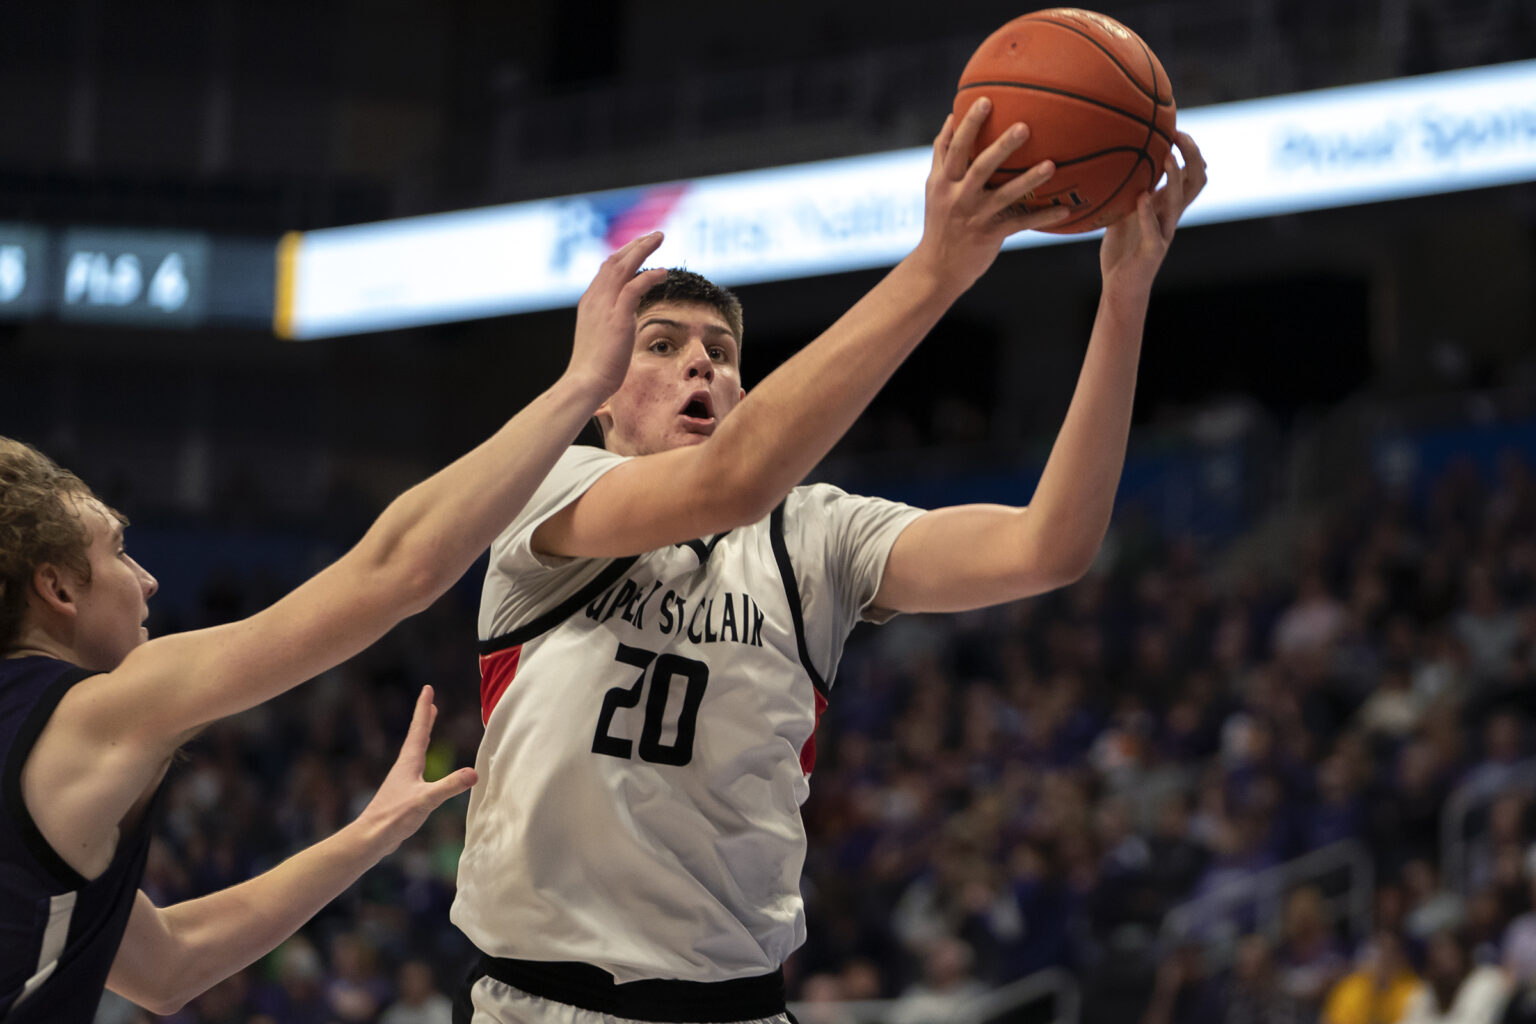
(41, 521)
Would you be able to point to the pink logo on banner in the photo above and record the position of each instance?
(648, 211)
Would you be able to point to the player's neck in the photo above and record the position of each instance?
(36, 642)
(32, 652)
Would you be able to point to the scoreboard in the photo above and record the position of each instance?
(131, 277)
(23, 270)
(135, 277)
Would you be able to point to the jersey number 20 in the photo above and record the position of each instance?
(667, 667)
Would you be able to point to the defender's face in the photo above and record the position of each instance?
(684, 377)
(112, 607)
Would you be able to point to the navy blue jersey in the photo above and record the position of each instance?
(58, 931)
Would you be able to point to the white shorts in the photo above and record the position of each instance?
(496, 1002)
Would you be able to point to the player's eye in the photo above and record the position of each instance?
(661, 346)
(717, 352)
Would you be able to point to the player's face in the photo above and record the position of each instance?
(684, 377)
(112, 607)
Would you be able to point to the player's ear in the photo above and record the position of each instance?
(55, 588)
(603, 417)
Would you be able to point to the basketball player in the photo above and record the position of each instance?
(661, 624)
(91, 710)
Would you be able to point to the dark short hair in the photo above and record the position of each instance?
(686, 286)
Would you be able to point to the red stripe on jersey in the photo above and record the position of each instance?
(808, 752)
(496, 672)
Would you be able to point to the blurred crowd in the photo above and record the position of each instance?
(1033, 786)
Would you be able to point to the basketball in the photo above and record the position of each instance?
(1097, 103)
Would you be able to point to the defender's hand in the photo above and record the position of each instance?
(605, 315)
(406, 799)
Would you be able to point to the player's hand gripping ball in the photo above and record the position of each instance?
(1096, 100)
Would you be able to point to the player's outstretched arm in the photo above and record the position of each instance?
(170, 955)
(111, 736)
(970, 556)
(792, 419)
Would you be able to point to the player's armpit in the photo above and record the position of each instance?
(74, 781)
(972, 556)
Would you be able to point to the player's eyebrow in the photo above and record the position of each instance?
(679, 325)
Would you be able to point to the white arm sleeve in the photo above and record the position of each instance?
(840, 543)
(520, 579)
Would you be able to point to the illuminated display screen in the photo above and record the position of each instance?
(1334, 147)
(138, 277)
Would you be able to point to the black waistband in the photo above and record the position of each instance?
(685, 1002)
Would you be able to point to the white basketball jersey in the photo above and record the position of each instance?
(649, 731)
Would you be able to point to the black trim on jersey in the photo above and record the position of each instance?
(463, 999)
(564, 610)
(26, 737)
(700, 548)
(650, 999)
(792, 591)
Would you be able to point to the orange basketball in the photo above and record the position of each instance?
(1096, 100)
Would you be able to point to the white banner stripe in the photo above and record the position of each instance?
(1334, 147)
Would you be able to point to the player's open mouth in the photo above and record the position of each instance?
(699, 410)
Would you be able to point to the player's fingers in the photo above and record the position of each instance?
(611, 264)
(421, 716)
(450, 786)
(1190, 151)
(941, 141)
(1171, 195)
(618, 254)
(604, 280)
(619, 267)
(413, 751)
(627, 259)
(1195, 175)
(1153, 226)
(958, 156)
(631, 294)
(1011, 192)
(1015, 218)
(1177, 199)
(994, 156)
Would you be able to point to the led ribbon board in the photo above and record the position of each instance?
(1334, 147)
(23, 270)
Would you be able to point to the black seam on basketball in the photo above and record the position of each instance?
(1141, 155)
(1127, 114)
(1107, 199)
(1157, 98)
(1127, 180)
(1112, 58)
(1152, 126)
(1140, 151)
